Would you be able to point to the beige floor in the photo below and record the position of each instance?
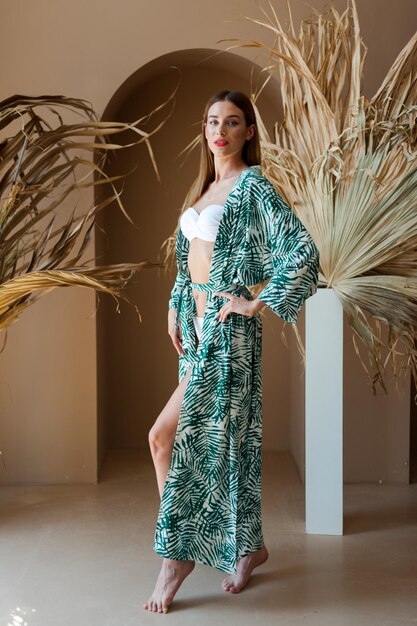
(82, 556)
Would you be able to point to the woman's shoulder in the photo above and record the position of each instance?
(258, 183)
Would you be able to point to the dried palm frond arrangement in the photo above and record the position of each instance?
(347, 166)
(39, 170)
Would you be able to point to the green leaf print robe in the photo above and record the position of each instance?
(210, 508)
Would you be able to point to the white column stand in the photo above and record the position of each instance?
(324, 414)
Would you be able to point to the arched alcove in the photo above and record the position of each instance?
(137, 364)
(137, 367)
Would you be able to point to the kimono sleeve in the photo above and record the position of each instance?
(176, 291)
(180, 277)
(293, 255)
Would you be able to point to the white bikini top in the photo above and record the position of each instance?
(203, 225)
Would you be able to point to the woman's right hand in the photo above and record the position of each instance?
(175, 336)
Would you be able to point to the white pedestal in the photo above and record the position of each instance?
(324, 414)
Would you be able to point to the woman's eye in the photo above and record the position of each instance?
(231, 122)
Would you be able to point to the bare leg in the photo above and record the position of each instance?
(236, 582)
(162, 433)
(161, 441)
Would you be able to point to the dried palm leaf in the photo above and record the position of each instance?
(38, 171)
(347, 165)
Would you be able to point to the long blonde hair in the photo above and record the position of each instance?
(251, 155)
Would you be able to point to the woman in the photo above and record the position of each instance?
(206, 443)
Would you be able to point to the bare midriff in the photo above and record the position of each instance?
(200, 251)
(199, 260)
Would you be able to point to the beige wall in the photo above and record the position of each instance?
(113, 55)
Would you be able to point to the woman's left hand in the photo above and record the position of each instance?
(237, 304)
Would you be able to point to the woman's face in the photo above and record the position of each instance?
(226, 124)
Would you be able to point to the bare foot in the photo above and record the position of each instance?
(169, 581)
(236, 582)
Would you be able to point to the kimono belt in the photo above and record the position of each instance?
(186, 294)
(186, 305)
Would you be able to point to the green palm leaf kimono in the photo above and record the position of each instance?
(210, 508)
